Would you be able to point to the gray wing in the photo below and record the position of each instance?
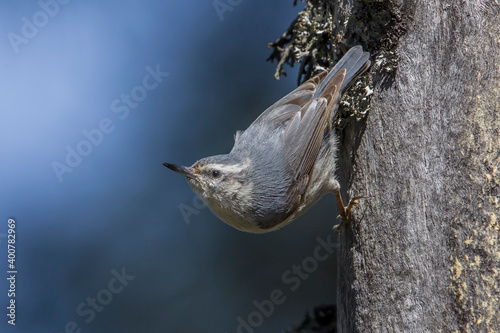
(302, 122)
(301, 139)
(303, 134)
(308, 110)
(305, 114)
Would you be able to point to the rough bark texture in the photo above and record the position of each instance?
(422, 254)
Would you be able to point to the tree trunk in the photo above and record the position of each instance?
(422, 253)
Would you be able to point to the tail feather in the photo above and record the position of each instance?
(355, 62)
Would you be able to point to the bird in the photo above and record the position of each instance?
(285, 161)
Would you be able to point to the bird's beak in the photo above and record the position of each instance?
(185, 171)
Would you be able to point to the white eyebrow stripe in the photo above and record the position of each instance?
(228, 168)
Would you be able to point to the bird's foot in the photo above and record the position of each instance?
(345, 212)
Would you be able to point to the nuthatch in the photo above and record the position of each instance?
(285, 161)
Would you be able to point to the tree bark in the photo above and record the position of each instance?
(422, 253)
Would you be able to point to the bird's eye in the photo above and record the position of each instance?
(215, 173)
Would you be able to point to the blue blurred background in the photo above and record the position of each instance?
(118, 209)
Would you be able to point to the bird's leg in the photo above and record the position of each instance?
(340, 204)
(345, 212)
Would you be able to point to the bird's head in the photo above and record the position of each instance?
(224, 184)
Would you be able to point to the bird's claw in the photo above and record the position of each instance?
(345, 212)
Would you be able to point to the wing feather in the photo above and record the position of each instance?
(303, 135)
(304, 115)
